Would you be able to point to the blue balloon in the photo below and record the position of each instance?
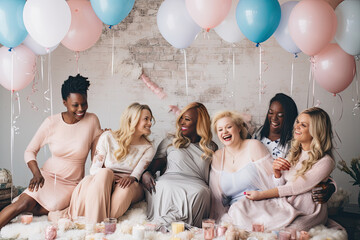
(258, 19)
(112, 12)
(12, 28)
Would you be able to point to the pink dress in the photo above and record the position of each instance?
(69, 145)
(293, 208)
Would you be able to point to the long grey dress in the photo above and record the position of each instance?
(182, 192)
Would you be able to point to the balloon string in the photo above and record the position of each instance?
(77, 56)
(112, 53)
(340, 117)
(292, 77)
(313, 88)
(260, 72)
(12, 137)
(233, 76)
(309, 83)
(33, 91)
(50, 84)
(186, 77)
(357, 101)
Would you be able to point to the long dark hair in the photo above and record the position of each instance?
(290, 114)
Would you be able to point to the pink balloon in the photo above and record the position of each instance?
(23, 63)
(312, 25)
(334, 69)
(85, 29)
(208, 13)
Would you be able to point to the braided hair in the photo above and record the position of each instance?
(77, 84)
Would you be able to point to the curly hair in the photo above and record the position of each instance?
(290, 114)
(203, 129)
(77, 84)
(128, 121)
(321, 144)
(236, 119)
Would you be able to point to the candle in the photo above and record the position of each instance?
(26, 218)
(208, 226)
(150, 227)
(284, 235)
(258, 227)
(99, 228)
(138, 232)
(50, 232)
(177, 227)
(304, 235)
(110, 225)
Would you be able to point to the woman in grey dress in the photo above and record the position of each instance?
(181, 193)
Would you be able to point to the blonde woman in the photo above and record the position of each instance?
(289, 204)
(235, 167)
(121, 157)
(182, 192)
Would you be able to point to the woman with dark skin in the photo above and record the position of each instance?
(276, 134)
(70, 135)
(181, 193)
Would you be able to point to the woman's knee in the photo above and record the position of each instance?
(104, 175)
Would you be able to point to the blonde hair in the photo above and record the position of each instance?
(321, 144)
(202, 129)
(128, 121)
(236, 119)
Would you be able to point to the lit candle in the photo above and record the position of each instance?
(208, 225)
(26, 218)
(221, 231)
(177, 227)
(110, 225)
(304, 235)
(80, 222)
(284, 235)
(138, 232)
(258, 227)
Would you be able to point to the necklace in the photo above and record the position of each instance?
(233, 156)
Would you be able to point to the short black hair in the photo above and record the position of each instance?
(77, 84)
(290, 114)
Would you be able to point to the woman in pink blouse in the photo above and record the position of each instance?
(289, 203)
(70, 135)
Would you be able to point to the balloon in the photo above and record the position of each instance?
(334, 69)
(35, 47)
(85, 28)
(175, 23)
(12, 29)
(47, 21)
(229, 29)
(208, 13)
(24, 67)
(312, 25)
(258, 19)
(282, 34)
(348, 33)
(111, 12)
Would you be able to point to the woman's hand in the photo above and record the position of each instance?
(36, 182)
(280, 164)
(125, 182)
(322, 192)
(148, 181)
(253, 195)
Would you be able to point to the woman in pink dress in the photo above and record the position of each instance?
(70, 135)
(289, 202)
(119, 162)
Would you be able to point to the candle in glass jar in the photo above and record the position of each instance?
(50, 232)
(26, 218)
(208, 226)
(221, 231)
(110, 225)
(177, 227)
(258, 227)
(284, 235)
(304, 235)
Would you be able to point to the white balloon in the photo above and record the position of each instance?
(47, 21)
(37, 48)
(348, 29)
(282, 34)
(175, 23)
(228, 29)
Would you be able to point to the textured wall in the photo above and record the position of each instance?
(220, 75)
